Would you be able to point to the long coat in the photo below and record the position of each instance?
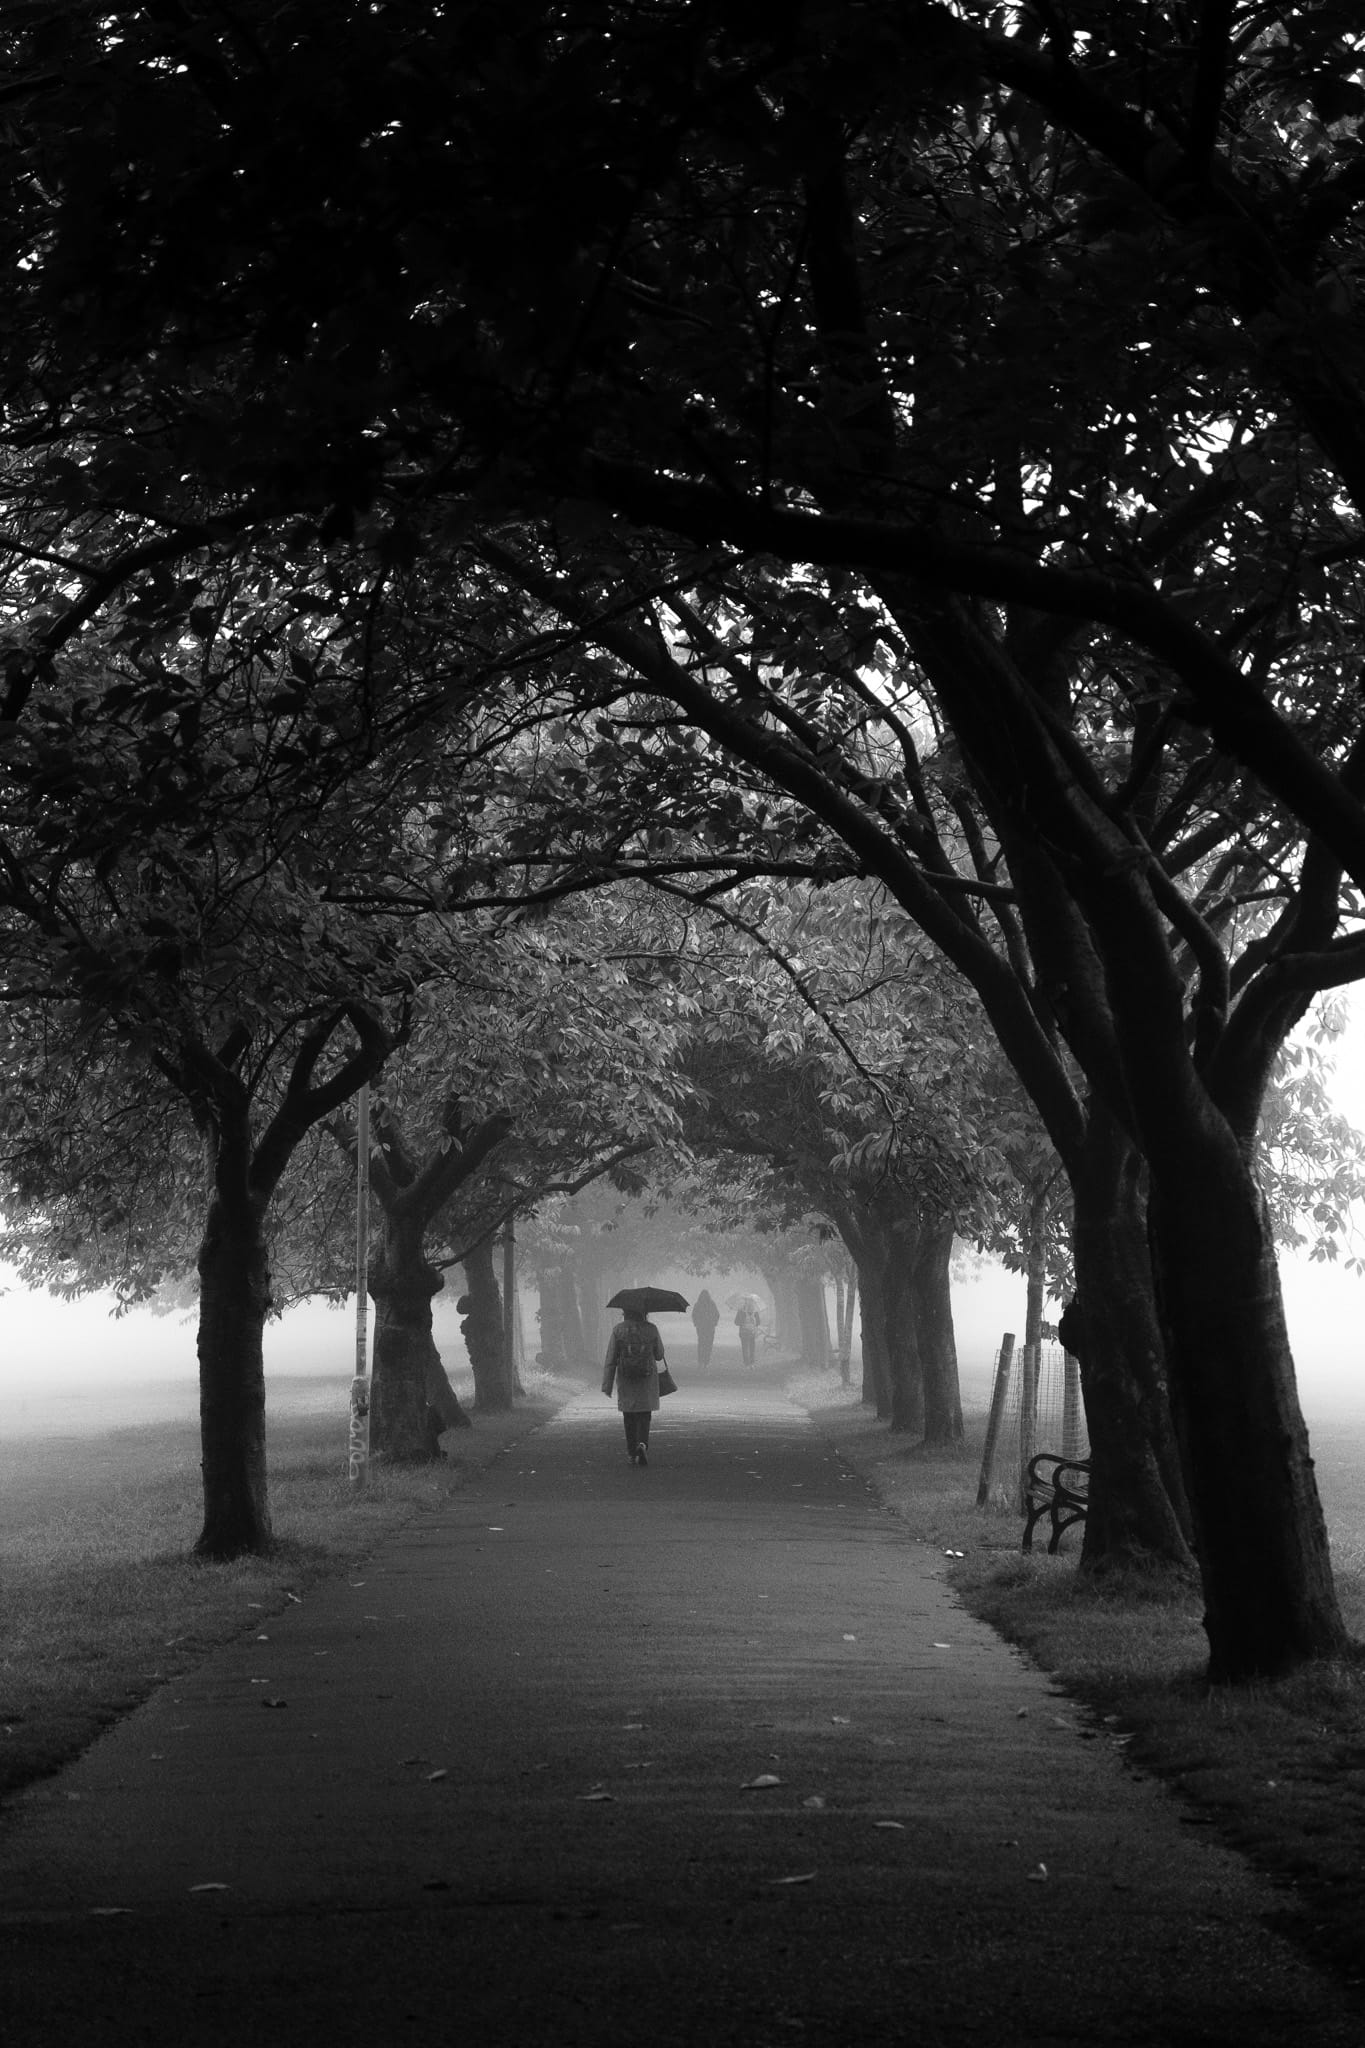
(705, 1314)
(643, 1396)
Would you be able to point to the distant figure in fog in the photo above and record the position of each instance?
(705, 1316)
(747, 1322)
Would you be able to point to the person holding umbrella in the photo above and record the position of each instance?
(748, 1321)
(636, 1364)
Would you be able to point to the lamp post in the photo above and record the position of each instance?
(358, 1452)
(509, 1305)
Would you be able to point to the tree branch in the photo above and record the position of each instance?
(304, 1105)
(1240, 717)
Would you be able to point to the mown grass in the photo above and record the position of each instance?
(102, 1599)
(1278, 1768)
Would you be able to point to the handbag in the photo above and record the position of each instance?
(667, 1383)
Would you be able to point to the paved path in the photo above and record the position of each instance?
(500, 1786)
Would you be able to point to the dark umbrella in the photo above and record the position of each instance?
(649, 1301)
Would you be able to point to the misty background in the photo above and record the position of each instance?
(74, 1367)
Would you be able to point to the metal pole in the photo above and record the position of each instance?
(358, 1460)
(509, 1304)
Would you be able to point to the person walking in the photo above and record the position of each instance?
(705, 1316)
(747, 1321)
(635, 1351)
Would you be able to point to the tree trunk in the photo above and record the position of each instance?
(508, 1242)
(905, 1364)
(234, 1297)
(550, 1351)
(483, 1332)
(902, 1334)
(786, 1330)
(1269, 1598)
(592, 1295)
(846, 1314)
(441, 1396)
(405, 1423)
(883, 1239)
(1035, 1268)
(876, 1364)
(571, 1321)
(1138, 1511)
(933, 1310)
(814, 1320)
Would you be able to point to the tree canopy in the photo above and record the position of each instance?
(953, 415)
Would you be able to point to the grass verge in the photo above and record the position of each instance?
(1277, 1768)
(103, 1602)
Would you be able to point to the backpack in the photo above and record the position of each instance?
(634, 1350)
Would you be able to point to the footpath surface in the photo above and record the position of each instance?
(702, 1754)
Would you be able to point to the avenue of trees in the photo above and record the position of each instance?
(919, 448)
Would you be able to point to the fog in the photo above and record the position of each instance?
(77, 1366)
(73, 1366)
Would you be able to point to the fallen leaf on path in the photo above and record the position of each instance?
(850, 1639)
(434, 1777)
(598, 1796)
(210, 1887)
(900, 1824)
(954, 1553)
(107, 1912)
(295, 1598)
(943, 1646)
(1038, 1876)
(274, 1703)
(805, 1877)
(840, 1720)
(814, 1802)
(762, 1783)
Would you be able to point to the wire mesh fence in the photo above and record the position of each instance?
(1036, 1405)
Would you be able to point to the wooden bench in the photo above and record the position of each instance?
(1059, 1488)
